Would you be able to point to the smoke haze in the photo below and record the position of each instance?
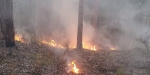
(120, 23)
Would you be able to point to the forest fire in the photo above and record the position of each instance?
(93, 48)
(19, 38)
(73, 67)
(112, 48)
(54, 44)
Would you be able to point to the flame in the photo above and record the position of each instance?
(74, 67)
(90, 47)
(19, 38)
(53, 43)
(112, 48)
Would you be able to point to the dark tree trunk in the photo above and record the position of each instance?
(6, 9)
(80, 24)
(2, 15)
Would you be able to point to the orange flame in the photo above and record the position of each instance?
(93, 48)
(54, 44)
(74, 67)
(112, 48)
(18, 38)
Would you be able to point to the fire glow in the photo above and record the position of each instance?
(93, 48)
(74, 67)
(112, 48)
(54, 44)
(19, 38)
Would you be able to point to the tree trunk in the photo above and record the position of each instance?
(2, 15)
(80, 24)
(6, 9)
(95, 14)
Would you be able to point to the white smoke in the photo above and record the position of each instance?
(58, 19)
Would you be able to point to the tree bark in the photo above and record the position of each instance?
(2, 15)
(95, 14)
(80, 24)
(6, 9)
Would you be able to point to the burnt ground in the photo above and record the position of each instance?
(35, 59)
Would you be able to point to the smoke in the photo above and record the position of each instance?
(120, 23)
(68, 15)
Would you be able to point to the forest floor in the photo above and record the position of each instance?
(35, 59)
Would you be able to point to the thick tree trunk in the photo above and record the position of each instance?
(6, 9)
(80, 24)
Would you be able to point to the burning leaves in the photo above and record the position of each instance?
(93, 48)
(54, 44)
(73, 67)
(112, 48)
(19, 38)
